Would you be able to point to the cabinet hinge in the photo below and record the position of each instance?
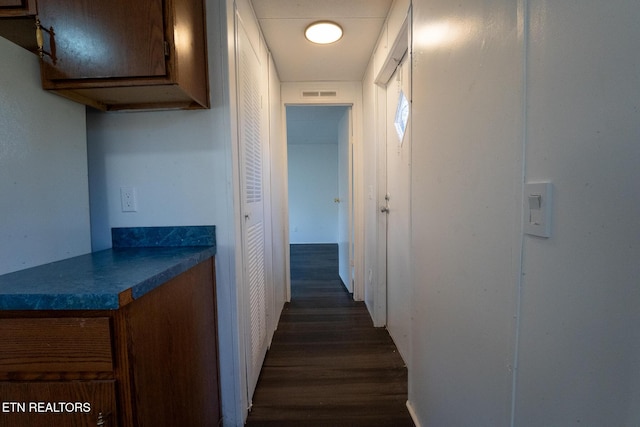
(166, 48)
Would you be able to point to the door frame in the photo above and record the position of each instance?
(345, 94)
(395, 54)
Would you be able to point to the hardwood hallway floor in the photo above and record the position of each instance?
(328, 365)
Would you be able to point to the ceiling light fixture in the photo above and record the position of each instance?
(323, 32)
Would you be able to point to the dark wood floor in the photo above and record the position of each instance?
(328, 365)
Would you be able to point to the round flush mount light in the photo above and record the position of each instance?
(323, 32)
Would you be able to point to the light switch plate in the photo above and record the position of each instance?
(538, 204)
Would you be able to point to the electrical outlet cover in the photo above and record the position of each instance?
(128, 199)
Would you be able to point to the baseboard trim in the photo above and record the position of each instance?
(412, 413)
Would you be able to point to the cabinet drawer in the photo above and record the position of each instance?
(69, 404)
(55, 345)
(11, 3)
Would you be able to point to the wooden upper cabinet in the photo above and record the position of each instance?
(17, 22)
(17, 7)
(102, 39)
(123, 54)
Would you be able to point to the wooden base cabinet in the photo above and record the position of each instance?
(61, 403)
(153, 362)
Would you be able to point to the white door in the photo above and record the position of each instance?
(397, 206)
(346, 205)
(251, 152)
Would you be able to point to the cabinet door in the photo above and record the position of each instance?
(12, 3)
(173, 345)
(69, 404)
(17, 8)
(90, 39)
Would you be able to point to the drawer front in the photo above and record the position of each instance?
(47, 345)
(13, 3)
(69, 404)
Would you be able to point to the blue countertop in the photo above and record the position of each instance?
(104, 280)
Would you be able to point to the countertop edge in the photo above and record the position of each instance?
(153, 282)
(86, 299)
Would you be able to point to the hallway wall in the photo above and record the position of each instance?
(511, 329)
(579, 338)
(466, 210)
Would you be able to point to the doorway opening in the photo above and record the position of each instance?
(320, 183)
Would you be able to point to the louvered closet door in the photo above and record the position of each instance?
(252, 194)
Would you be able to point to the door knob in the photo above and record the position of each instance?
(384, 209)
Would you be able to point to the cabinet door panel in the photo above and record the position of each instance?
(172, 329)
(69, 404)
(11, 3)
(18, 8)
(102, 39)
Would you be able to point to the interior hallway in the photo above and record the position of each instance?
(327, 364)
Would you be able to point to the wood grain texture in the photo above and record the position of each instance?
(118, 54)
(328, 365)
(103, 39)
(69, 404)
(17, 8)
(12, 3)
(55, 345)
(172, 344)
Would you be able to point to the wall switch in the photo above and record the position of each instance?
(537, 209)
(128, 199)
(535, 201)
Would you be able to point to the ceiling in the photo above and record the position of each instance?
(283, 23)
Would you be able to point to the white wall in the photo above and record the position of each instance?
(532, 90)
(44, 198)
(579, 336)
(312, 143)
(466, 210)
(313, 184)
(173, 171)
